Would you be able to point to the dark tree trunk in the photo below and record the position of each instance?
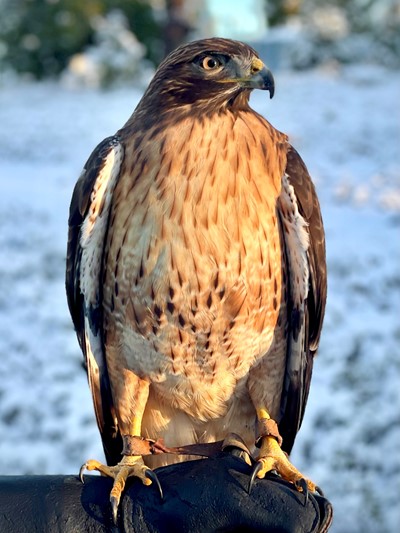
(177, 27)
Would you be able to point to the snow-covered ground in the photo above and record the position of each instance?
(346, 125)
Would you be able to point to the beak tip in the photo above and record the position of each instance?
(268, 81)
(270, 84)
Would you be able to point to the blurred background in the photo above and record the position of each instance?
(104, 41)
(71, 73)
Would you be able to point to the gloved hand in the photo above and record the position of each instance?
(201, 496)
(211, 495)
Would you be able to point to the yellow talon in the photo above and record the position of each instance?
(272, 457)
(129, 466)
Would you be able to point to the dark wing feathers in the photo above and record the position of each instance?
(297, 382)
(310, 209)
(79, 208)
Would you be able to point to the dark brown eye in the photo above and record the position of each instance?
(210, 63)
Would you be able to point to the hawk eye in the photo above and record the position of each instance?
(210, 63)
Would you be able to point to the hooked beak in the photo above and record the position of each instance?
(260, 78)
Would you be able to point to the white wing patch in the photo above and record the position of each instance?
(95, 225)
(297, 242)
(92, 241)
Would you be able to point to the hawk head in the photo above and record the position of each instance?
(207, 75)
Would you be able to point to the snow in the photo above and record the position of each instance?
(345, 123)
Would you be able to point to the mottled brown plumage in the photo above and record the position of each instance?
(196, 265)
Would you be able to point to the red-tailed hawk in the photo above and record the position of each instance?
(196, 273)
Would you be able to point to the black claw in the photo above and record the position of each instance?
(81, 471)
(114, 508)
(153, 477)
(302, 484)
(256, 468)
(320, 491)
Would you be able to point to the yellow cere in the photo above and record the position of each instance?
(256, 65)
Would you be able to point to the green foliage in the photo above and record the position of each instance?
(41, 35)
